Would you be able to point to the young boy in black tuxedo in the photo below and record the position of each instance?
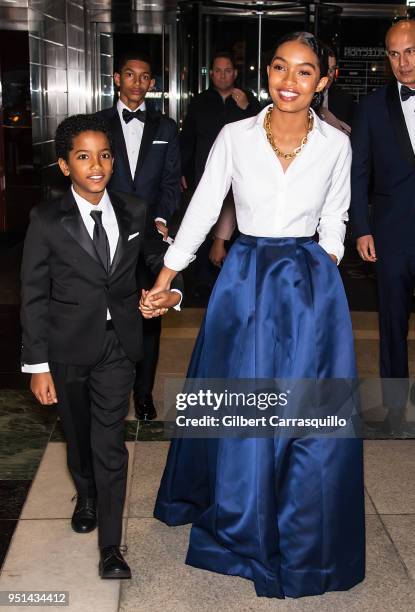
(81, 324)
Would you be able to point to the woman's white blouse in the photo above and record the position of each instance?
(312, 195)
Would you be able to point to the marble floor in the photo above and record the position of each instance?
(38, 550)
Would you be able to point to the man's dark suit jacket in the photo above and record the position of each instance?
(66, 290)
(207, 115)
(157, 174)
(341, 104)
(383, 158)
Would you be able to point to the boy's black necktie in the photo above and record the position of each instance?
(100, 240)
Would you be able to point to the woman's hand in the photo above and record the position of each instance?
(43, 388)
(159, 298)
(334, 258)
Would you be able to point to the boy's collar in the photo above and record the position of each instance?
(82, 202)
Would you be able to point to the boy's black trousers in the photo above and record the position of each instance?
(92, 404)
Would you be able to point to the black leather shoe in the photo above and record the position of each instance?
(112, 564)
(144, 409)
(84, 518)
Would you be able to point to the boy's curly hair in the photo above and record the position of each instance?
(73, 126)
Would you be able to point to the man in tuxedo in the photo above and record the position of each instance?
(81, 325)
(147, 164)
(383, 140)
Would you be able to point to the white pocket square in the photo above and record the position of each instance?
(160, 142)
(133, 236)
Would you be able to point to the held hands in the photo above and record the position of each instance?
(157, 301)
(240, 98)
(366, 248)
(43, 388)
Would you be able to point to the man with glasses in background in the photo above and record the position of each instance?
(383, 141)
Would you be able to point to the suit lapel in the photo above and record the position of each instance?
(398, 122)
(72, 222)
(122, 164)
(124, 225)
(150, 128)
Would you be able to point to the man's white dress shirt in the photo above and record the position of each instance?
(408, 108)
(312, 195)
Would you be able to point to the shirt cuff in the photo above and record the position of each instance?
(333, 249)
(161, 219)
(177, 260)
(35, 368)
(178, 306)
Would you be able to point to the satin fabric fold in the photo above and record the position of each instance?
(287, 514)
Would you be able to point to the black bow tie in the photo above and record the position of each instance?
(406, 93)
(130, 115)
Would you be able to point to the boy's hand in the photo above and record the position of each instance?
(162, 229)
(146, 307)
(43, 388)
(157, 304)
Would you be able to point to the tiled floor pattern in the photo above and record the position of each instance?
(46, 554)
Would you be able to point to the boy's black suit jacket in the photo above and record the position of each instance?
(66, 290)
(158, 170)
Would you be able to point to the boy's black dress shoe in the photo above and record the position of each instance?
(84, 518)
(112, 564)
(144, 408)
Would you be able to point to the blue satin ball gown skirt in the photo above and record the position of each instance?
(286, 513)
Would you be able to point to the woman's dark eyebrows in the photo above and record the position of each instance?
(278, 57)
(307, 64)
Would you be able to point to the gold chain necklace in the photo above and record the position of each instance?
(297, 151)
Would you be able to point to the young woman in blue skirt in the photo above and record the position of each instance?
(286, 513)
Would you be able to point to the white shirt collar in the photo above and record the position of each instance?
(86, 207)
(121, 106)
(319, 125)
